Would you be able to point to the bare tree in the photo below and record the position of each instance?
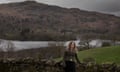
(85, 40)
(57, 47)
(10, 48)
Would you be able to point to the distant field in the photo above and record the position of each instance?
(102, 55)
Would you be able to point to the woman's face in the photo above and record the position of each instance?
(72, 45)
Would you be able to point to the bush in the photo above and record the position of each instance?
(106, 44)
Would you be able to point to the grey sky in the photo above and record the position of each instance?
(106, 6)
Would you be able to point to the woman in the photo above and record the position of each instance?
(70, 57)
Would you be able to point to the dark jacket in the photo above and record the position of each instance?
(71, 56)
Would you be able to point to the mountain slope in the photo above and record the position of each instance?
(30, 20)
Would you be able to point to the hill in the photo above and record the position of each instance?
(30, 20)
(102, 55)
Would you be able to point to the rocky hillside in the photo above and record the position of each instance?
(30, 20)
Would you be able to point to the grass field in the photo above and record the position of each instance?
(102, 55)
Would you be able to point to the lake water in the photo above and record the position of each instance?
(19, 45)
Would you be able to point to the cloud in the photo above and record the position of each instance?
(107, 5)
(3, 1)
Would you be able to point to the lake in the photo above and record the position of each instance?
(19, 45)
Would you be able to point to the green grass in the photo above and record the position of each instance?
(102, 55)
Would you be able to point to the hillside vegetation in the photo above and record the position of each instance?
(30, 20)
(102, 55)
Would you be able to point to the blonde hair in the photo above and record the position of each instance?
(74, 49)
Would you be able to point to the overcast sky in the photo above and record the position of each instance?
(106, 6)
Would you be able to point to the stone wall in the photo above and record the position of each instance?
(27, 65)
